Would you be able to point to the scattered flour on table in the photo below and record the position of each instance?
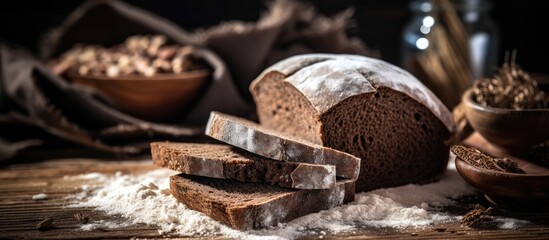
(146, 199)
(509, 223)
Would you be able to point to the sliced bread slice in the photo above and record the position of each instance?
(224, 161)
(257, 139)
(252, 205)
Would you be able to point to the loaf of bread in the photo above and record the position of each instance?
(252, 205)
(224, 161)
(254, 138)
(362, 106)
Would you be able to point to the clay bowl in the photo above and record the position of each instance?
(512, 191)
(512, 131)
(159, 98)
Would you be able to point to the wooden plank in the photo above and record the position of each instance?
(20, 214)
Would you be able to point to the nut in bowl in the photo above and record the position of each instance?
(143, 77)
(510, 110)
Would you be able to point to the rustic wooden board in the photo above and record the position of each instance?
(19, 214)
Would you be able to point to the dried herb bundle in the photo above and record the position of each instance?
(476, 158)
(476, 216)
(145, 55)
(510, 88)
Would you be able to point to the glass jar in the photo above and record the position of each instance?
(482, 37)
(449, 43)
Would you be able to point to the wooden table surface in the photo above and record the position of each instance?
(19, 214)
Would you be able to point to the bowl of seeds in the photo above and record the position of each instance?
(144, 77)
(510, 110)
(507, 183)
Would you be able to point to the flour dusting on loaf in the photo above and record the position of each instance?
(309, 180)
(319, 78)
(362, 106)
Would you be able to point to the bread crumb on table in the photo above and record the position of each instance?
(40, 196)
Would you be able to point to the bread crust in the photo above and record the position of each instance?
(226, 162)
(248, 205)
(314, 74)
(254, 138)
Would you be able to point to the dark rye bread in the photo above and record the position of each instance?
(248, 205)
(262, 141)
(363, 106)
(223, 161)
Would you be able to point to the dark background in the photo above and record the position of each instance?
(523, 24)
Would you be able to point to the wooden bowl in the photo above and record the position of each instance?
(509, 190)
(158, 98)
(513, 131)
